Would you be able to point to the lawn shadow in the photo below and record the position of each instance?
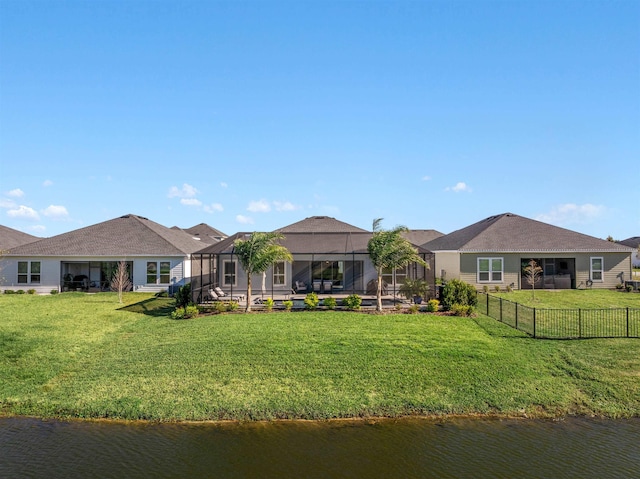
(497, 329)
(156, 307)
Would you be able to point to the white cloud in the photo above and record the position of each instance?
(460, 186)
(245, 220)
(285, 206)
(47, 183)
(23, 212)
(16, 193)
(213, 207)
(55, 212)
(187, 191)
(190, 202)
(260, 206)
(426, 178)
(5, 203)
(570, 213)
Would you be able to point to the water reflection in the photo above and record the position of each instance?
(405, 448)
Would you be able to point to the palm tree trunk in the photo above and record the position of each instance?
(379, 292)
(248, 308)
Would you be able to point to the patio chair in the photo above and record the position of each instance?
(317, 286)
(300, 287)
(225, 296)
(327, 286)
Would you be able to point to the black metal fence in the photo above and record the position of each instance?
(563, 323)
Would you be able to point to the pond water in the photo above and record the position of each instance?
(408, 448)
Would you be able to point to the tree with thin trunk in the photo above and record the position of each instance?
(120, 281)
(389, 249)
(257, 252)
(532, 273)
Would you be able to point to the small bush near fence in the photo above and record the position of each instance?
(564, 323)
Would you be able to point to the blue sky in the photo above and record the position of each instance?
(253, 115)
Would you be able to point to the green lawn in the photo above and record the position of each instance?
(77, 355)
(573, 298)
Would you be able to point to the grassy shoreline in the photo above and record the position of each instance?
(87, 357)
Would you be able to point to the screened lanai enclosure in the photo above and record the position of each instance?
(326, 263)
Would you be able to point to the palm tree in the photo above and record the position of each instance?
(388, 249)
(257, 252)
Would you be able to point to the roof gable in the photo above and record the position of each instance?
(512, 233)
(633, 242)
(128, 235)
(10, 238)
(321, 224)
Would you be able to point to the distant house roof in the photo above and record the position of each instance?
(205, 233)
(10, 238)
(128, 235)
(420, 237)
(321, 224)
(632, 242)
(512, 233)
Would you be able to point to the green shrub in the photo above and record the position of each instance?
(433, 305)
(183, 295)
(352, 302)
(288, 305)
(398, 307)
(162, 294)
(54, 291)
(178, 313)
(311, 301)
(20, 291)
(220, 306)
(496, 288)
(9, 291)
(509, 288)
(31, 291)
(414, 308)
(268, 303)
(485, 289)
(232, 306)
(191, 311)
(629, 288)
(330, 302)
(458, 292)
(462, 310)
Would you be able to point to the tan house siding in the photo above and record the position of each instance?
(449, 261)
(617, 268)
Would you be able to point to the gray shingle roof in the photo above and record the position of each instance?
(321, 224)
(420, 237)
(512, 233)
(10, 238)
(632, 242)
(203, 232)
(309, 243)
(128, 235)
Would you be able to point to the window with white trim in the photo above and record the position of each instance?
(490, 270)
(158, 272)
(28, 272)
(229, 273)
(597, 268)
(278, 273)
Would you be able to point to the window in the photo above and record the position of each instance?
(164, 277)
(23, 272)
(597, 269)
(152, 272)
(278, 273)
(229, 273)
(394, 276)
(490, 270)
(165, 272)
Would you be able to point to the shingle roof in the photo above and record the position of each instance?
(512, 233)
(632, 242)
(205, 233)
(309, 243)
(321, 224)
(420, 237)
(128, 235)
(10, 238)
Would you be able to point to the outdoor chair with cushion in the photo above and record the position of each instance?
(300, 287)
(224, 296)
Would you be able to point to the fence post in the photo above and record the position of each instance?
(627, 321)
(579, 322)
(487, 304)
(501, 310)
(516, 315)
(534, 322)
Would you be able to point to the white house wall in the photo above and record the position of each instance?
(51, 268)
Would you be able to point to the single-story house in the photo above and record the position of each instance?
(633, 242)
(494, 251)
(329, 257)
(85, 259)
